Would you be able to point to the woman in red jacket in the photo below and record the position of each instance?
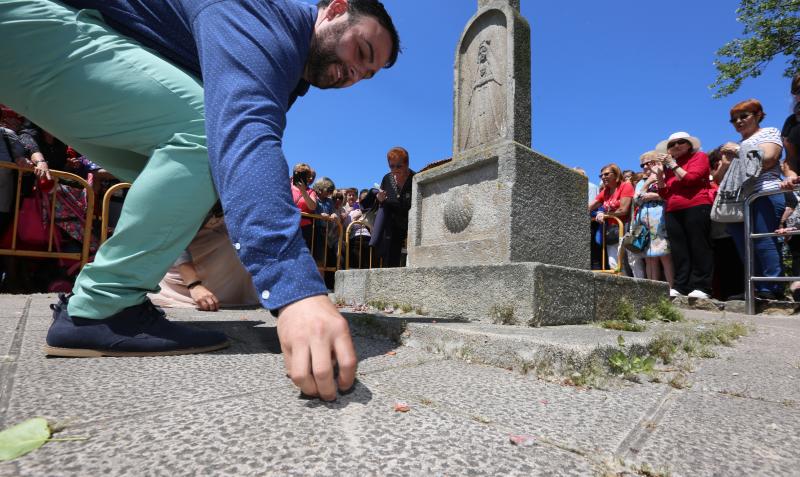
(683, 182)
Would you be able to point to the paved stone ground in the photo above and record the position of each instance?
(235, 413)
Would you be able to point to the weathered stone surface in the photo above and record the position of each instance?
(492, 79)
(610, 289)
(535, 294)
(497, 205)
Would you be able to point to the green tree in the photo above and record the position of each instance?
(771, 28)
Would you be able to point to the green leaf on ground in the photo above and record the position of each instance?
(24, 437)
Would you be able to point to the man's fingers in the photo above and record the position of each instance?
(346, 358)
(322, 366)
(300, 371)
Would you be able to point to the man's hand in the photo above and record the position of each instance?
(205, 299)
(314, 337)
(381, 196)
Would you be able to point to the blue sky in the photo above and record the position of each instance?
(609, 80)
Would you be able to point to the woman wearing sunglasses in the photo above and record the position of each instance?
(766, 211)
(683, 182)
(651, 214)
(615, 199)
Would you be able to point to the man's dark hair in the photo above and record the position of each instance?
(373, 8)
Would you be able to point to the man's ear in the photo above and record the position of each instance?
(336, 8)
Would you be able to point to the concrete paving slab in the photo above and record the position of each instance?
(273, 432)
(593, 421)
(235, 413)
(711, 434)
(764, 365)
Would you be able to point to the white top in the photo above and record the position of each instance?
(769, 179)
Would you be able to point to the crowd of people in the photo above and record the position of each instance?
(682, 216)
(27, 145)
(670, 207)
(371, 222)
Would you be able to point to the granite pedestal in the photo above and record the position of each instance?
(532, 294)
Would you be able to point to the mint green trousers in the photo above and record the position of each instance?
(130, 111)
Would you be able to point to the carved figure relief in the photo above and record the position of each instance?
(486, 103)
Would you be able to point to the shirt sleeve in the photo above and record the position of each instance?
(770, 135)
(15, 146)
(626, 190)
(791, 200)
(251, 60)
(29, 143)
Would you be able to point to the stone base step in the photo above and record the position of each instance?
(530, 293)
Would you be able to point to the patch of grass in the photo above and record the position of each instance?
(340, 301)
(379, 304)
(668, 311)
(406, 308)
(591, 375)
(625, 311)
(623, 325)
(722, 334)
(649, 313)
(664, 346)
(503, 315)
(645, 470)
(425, 402)
(680, 381)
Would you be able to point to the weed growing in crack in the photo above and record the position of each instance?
(664, 347)
(503, 315)
(722, 334)
(379, 304)
(649, 313)
(625, 311)
(623, 325)
(668, 311)
(680, 381)
(628, 365)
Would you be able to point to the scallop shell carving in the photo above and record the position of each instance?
(458, 213)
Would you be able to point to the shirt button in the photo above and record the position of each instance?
(237, 246)
(265, 295)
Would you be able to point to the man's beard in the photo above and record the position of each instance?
(322, 54)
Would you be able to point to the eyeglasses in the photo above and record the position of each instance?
(741, 117)
(672, 144)
(396, 166)
(603, 174)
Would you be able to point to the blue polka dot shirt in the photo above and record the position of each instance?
(250, 55)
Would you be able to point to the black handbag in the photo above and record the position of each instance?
(612, 234)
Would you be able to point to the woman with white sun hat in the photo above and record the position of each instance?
(683, 182)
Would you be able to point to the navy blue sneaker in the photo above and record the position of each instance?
(140, 330)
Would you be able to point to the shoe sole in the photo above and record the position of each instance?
(98, 353)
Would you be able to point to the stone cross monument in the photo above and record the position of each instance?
(500, 233)
(498, 201)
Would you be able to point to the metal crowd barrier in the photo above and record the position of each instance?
(748, 250)
(324, 267)
(620, 248)
(83, 255)
(361, 239)
(106, 205)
